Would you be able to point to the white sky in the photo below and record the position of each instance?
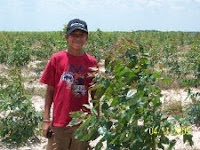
(107, 15)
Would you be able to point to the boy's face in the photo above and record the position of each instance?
(77, 39)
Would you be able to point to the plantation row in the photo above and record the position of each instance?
(138, 66)
(175, 54)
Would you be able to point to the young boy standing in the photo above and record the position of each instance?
(67, 79)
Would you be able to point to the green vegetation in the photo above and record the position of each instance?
(175, 54)
(130, 104)
(19, 119)
(138, 66)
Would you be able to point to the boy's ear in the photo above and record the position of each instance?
(87, 37)
(66, 37)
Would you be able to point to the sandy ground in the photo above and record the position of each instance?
(168, 95)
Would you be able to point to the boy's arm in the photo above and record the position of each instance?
(47, 107)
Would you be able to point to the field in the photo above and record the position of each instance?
(151, 73)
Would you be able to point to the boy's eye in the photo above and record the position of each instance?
(77, 35)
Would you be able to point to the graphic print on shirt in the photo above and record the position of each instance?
(75, 80)
(68, 77)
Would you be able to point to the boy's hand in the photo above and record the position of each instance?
(45, 127)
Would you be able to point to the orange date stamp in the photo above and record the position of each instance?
(177, 130)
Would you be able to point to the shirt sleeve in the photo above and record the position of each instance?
(48, 76)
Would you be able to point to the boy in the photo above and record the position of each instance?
(67, 79)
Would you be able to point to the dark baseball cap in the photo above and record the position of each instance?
(76, 24)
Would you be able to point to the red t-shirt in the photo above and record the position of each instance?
(68, 75)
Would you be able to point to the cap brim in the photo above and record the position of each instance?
(77, 28)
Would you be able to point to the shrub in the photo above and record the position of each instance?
(194, 109)
(130, 103)
(19, 118)
(19, 55)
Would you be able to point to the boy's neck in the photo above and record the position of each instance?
(75, 52)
